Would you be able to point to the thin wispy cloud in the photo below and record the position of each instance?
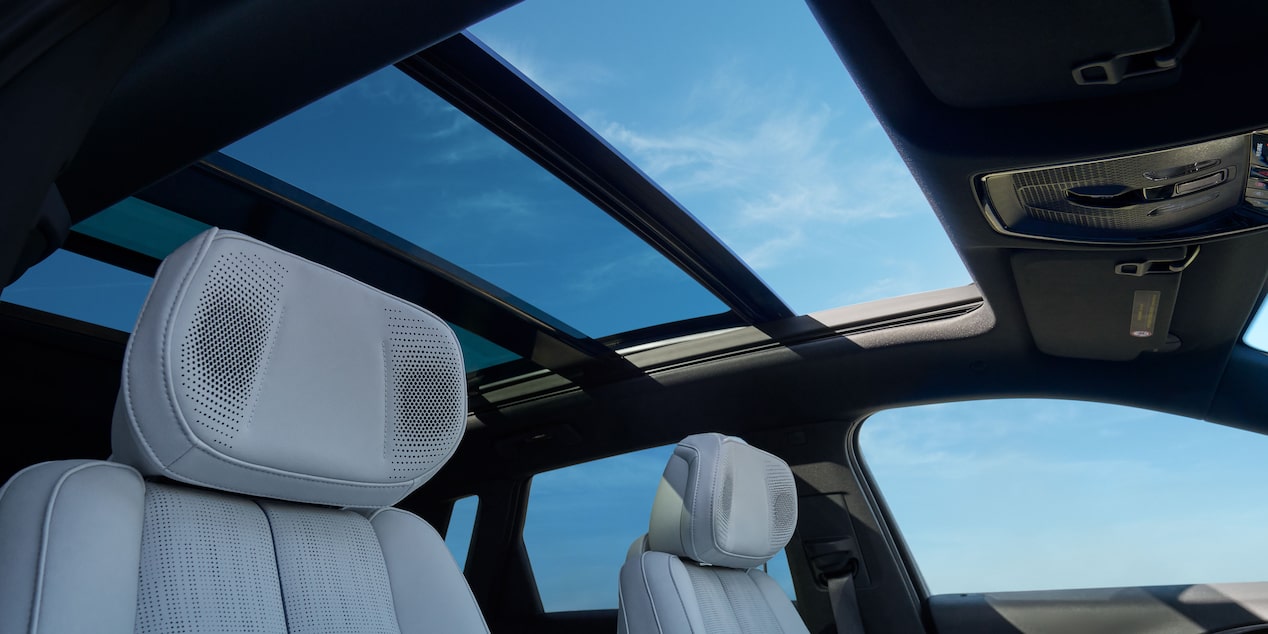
(770, 171)
(561, 79)
(1090, 495)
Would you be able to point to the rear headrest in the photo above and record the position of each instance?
(723, 502)
(255, 371)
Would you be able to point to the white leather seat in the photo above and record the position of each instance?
(722, 510)
(271, 411)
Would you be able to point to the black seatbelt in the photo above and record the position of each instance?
(837, 567)
(845, 603)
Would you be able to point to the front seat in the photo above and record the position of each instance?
(271, 412)
(722, 510)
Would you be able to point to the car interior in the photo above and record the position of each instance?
(1101, 169)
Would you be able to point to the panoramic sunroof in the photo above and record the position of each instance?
(389, 150)
(89, 290)
(748, 118)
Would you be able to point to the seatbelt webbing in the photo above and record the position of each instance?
(845, 604)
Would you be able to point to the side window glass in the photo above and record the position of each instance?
(581, 522)
(82, 288)
(1006, 495)
(778, 570)
(461, 525)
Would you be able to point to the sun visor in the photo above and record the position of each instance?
(1104, 305)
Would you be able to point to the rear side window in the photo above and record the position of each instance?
(582, 520)
(1006, 495)
(461, 526)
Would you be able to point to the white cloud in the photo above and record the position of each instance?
(562, 79)
(767, 169)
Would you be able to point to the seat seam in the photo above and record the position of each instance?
(277, 565)
(470, 595)
(41, 559)
(651, 599)
(677, 590)
(135, 421)
(766, 600)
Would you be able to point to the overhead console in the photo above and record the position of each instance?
(1183, 194)
(1157, 208)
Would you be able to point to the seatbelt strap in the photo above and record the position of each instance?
(836, 565)
(845, 603)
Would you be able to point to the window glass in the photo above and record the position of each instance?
(142, 227)
(1043, 494)
(461, 525)
(582, 520)
(390, 151)
(1257, 332)
(778, 570)
(82, 288)
(749, 119)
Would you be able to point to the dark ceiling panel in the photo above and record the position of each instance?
(221, 70)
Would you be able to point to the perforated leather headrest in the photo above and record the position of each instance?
(255, 371)
(723, 502)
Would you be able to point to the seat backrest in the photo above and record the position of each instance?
(270, 413)
(723, 509)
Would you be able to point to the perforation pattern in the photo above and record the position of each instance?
(730, 601)
(207, 565)
(332, 572)
(722, 515)
(781, 491)
(226, 348)
(426, 393)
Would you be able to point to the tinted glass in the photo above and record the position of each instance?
(582, 520)
(746, 115)
(142, 227)
(82, 288)
(461, 526)
(1036, 495)
(390, 151)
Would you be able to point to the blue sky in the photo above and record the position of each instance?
(746, 116)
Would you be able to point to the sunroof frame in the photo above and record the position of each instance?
(224, 192)
(487, 88)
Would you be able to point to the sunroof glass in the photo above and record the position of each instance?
(392, 152)
(746, 116)
(142, 227)
(82, 288)
(90, 290)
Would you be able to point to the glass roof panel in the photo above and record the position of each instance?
(82, 288)
(392, 152)
(75, 286)
(748, 118)
(142, 227)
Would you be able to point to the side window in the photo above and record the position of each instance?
(461, 524)
(778, 570)
(582, 520)
(1044, 495)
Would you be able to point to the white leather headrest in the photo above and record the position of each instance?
(255, 371)
(723, 502)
